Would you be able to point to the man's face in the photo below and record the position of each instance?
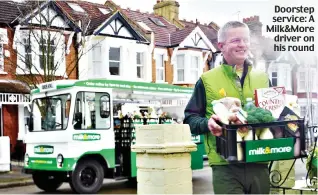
(236, 46)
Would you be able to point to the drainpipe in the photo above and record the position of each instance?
(76, 45)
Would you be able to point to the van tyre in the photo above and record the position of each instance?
(87, 178)
(132, 182)
(47, 181)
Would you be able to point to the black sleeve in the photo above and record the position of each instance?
(194, 113)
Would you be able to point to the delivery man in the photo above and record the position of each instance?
(234, 78)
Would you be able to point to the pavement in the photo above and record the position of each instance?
(15, 177)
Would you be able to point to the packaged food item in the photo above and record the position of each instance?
(291, 128)
(228, 106)
(272, 99)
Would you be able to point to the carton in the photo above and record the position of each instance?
(272, 99)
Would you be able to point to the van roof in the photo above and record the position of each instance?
(115, 84)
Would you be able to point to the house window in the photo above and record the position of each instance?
(286, 78)
(140, 67)
(188, 67)
(114, 61)
(97, 60)
(274, 78)
(313, 82)
(194, 68)
(302, 81)
(302, 111)
(47, 50)
(180, 67)
(76, 7)
(157, 21)
(28, 53)
(144, 26)
(1, 58)
(160, 67)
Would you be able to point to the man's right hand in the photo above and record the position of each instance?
(215, 129)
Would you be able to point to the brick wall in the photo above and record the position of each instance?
(153, 69)
(169, 68)
(10, 112)
(9, 62)
(10, 123)
(70, 59)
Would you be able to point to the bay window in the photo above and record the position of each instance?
(188, 67)
(40, 51)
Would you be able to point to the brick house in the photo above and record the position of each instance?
(13, 93)
(76, 24)
(20, 60)
(112, 44)
(180, 47)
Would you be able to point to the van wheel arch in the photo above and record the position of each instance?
(99, 158)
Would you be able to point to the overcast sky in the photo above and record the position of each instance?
(220, 11)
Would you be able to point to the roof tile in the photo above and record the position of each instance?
(91, 13)
(162, 33)
(9, 11)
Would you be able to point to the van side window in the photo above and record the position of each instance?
(104, 106)
(92, 111)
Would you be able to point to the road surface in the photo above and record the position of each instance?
(202, 184)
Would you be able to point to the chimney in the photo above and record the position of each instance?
(254, 25)
(169, 9)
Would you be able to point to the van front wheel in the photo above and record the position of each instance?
(47, 181)
(87, 178)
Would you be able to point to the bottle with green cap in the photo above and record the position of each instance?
(221, 111)
(249, 104)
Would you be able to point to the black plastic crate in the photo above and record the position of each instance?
(286, 144)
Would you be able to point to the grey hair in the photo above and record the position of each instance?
(232, 24)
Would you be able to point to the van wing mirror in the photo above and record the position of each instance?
(78, 117)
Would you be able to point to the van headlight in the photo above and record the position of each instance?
(26, 159)
(60, 158)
